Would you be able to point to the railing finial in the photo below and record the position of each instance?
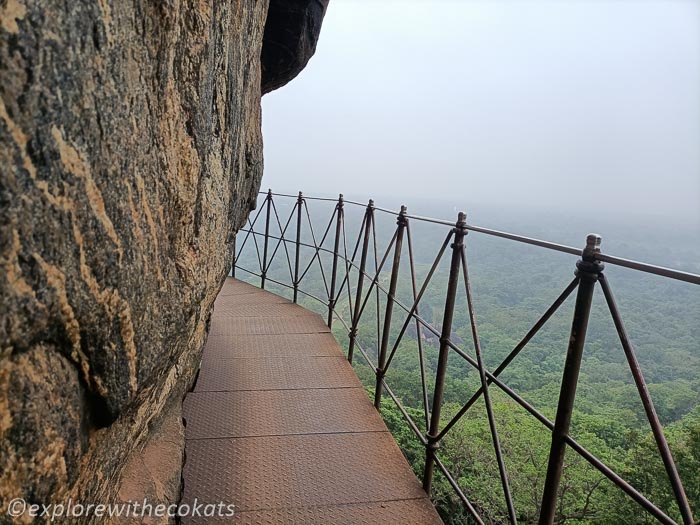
(461, 219)
(592, 248)
(401, 219)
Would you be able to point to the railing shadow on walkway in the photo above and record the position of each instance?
(297, 232)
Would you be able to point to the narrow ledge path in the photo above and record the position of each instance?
(279, 425)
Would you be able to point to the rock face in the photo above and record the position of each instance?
(291, 34)
(130, 153)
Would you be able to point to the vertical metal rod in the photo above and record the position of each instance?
(233, 264)
(369, 216)
(263, 270)
(649, 409)
(300, 203)
(375, 282)
(338, 227)
(588, 269)
(502, 470)
(381, 360)
(460, 231)
(419, 330)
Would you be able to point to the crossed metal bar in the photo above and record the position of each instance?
(589, 272)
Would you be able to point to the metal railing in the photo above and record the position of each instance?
(589, 274)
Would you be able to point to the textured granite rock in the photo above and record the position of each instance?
(291, 34)
(153, 473)
(130, 152)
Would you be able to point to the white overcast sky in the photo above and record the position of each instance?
(548, 104)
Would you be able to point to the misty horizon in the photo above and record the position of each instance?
(535, 107)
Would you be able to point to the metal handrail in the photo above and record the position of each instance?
(589, 273)
(610, 259)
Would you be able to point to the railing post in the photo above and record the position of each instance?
(233, 263)
(300, 203)
(369, 217)
(460, 231)
(334, 274)
(588, 269)
(381, 361)
(263, 272)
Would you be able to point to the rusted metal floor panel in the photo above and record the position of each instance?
(276, 345)
(236, 287)
(261, 310)
(278, 472)
(280, 426)
(274, 373)
(312, 324)
(280, 412)
(226, 301)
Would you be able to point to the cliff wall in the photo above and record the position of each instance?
(130, 153)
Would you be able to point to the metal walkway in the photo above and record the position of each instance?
(279, 425)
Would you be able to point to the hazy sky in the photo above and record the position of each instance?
(591, 104)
